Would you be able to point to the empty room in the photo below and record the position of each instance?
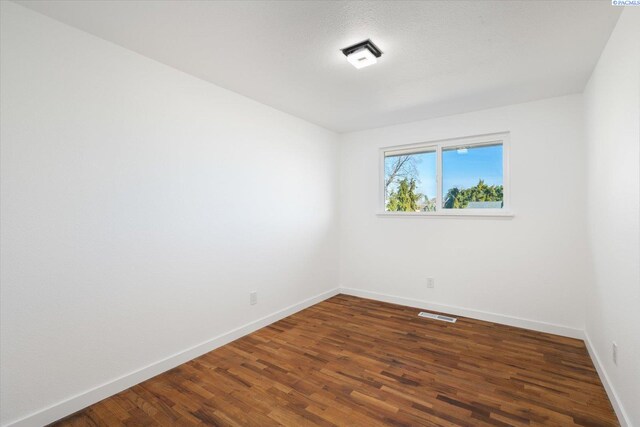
(319, 213)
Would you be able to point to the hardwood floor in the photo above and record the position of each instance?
(355, 362)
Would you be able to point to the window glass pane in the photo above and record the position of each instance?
(472, 177)
(410, 182)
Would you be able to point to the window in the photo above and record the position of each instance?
(465, 176)
(410, 181)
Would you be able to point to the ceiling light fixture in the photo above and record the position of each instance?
(362, 54)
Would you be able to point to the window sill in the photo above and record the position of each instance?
(455, 214)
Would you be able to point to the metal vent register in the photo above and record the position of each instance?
(437, 317)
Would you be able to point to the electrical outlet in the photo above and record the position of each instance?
(253, 298)
(430, 283)
(614, 352)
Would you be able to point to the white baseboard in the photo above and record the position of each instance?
(89, 397)
(613, 396)
(467, 312)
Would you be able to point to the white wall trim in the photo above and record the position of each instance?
(606, 382)
(462, 213)
(89, 397)
(467, 312)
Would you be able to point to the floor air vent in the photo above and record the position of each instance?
(437, 317)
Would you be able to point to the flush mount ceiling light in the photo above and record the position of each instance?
(362, 54)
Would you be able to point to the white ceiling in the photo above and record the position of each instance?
(440, 57)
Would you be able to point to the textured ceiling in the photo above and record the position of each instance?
(439, 57)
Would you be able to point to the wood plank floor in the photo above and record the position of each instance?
(355, 362)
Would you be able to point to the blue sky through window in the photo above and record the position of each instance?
(464, 168)
(426, 166)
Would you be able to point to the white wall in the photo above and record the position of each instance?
(140, 206)
(612, 118)
(530, 266)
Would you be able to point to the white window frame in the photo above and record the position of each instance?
(437, 146)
